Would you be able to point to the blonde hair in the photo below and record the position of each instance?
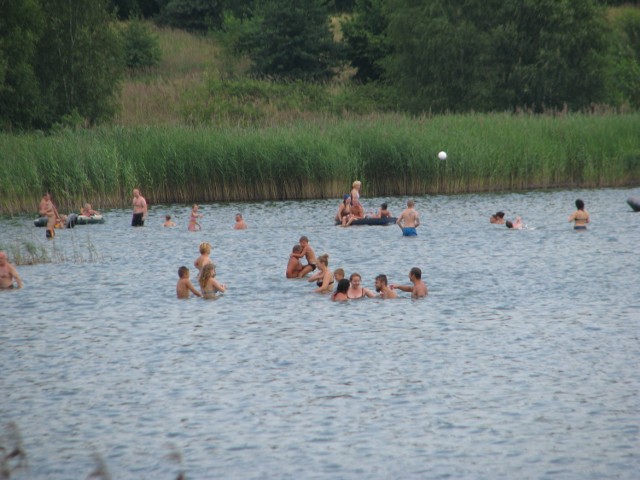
(339, 271)
(208, 271)
(205, 247)
(357, 182)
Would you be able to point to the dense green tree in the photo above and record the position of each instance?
(365, 34)
(193, 15)
(293, 40)
(132, 8)
(79, 60)
(487, 54)
(21, 25)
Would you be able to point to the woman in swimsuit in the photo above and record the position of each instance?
(356, 290)
(324, 276)
(340, 295)
(580, 216)
(208, 283)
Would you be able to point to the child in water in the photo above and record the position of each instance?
(184, 285)
(193, 220)
(168, 222)
(208, 283)
(203, 259)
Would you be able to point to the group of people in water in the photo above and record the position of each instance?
(345, 289)
(580, 218)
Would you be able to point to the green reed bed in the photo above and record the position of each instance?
(319, 158)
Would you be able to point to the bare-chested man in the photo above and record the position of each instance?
(409, 219)
(48, 209)
(419, 288)
(307, 252)
(139, 209)
(382, 287)
(8, 274)
(294, 266)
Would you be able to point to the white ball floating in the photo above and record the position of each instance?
(442, 155)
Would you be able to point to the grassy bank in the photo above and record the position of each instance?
(392, 155)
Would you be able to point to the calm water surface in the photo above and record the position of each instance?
(523, 362)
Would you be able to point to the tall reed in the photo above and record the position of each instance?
(319, 158)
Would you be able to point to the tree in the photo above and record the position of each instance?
(365, 34)
(490, 55)
(141, 45)
(193, 15)
(21, 25)
(293, 41)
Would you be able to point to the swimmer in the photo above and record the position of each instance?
(497, 217)
(580, 217)
(203, 259)
(9, 277)
(140, 209)
(340, 295)
(338, 274)
(418, 289)
(193, 220)
(383, 289)
(325, 278)
(409, 220)
(356, 290)
(184, 285)
(208, 283)
(309, 254)
(516, 224)
(168, 222)
(240, 223)
(294, 266)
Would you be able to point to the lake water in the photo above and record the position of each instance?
(523, 362)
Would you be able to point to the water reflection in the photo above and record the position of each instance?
(522, 359)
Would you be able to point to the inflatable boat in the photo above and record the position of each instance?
(634, 202)
(373, 221)
(72, 220)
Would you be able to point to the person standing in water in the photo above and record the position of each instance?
(580, 217)
(8, 274)
(409, 219)
(48, 209)
(139, 209)
(418, 289)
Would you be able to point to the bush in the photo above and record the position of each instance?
(141, 45)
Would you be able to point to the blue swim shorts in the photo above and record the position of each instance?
(409, 232)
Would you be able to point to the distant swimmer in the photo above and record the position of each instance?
(497, 217)
(139, 209)
(168, 222)
(9, 277)
(203, 259)
(516, 224)
(409, 220)
(193, 219)
(184, 286)
(338, 274)
(418, 289)
(87, 211)
(580, 217)
(240, 223)
(324, 277)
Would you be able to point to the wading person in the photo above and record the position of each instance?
(408, 220)
(418, 289)
(9, 277)
(356, 290)
(139, 209)
(382, 287)
(580, 217)
(184, 285)
(48, 209)
(208, 283)
(310, 255)
(294, 266)
(240, 223)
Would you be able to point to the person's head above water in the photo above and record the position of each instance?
(579, 204)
